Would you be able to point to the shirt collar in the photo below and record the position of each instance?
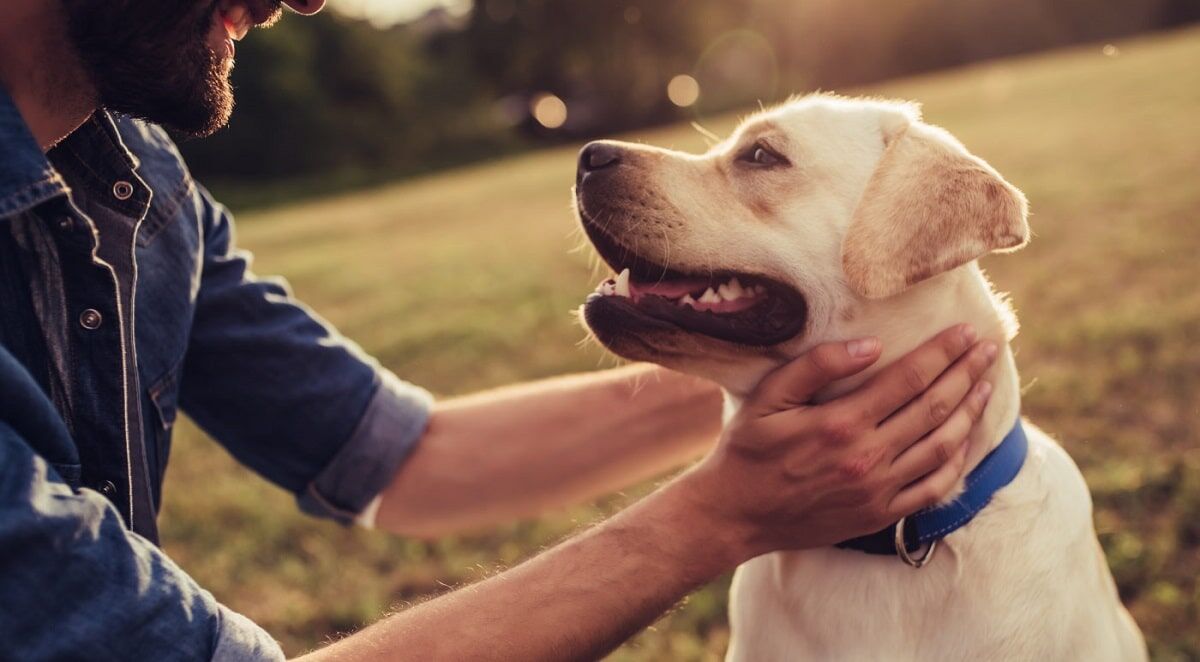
(26, 176)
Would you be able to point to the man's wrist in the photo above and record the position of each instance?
(720, 542)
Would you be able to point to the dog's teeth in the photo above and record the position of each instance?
(731, 291)
(710, 296)
(687, 300)
(622, 284)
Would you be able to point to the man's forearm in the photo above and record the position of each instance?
(576, 601)
(519, 451)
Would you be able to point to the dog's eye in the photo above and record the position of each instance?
(763, 156)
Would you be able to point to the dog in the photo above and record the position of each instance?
(830, 218)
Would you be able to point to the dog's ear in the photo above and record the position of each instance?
(929, 207)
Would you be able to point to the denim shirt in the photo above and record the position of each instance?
(123, 300)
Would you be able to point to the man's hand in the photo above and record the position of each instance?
(790, 475)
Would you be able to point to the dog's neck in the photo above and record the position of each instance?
(905, 321)
(908, 319)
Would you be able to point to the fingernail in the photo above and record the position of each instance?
(862, 347)
(990, 349)
(968, 334)
(982, 391)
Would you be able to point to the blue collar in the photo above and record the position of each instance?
(996, 470)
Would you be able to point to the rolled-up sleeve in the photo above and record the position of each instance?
(386, 434)
(285, 393)
(77, 585)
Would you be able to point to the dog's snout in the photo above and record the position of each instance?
(598, 156)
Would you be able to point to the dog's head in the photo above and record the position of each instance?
(736, 260)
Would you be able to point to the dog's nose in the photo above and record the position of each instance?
(598, 156)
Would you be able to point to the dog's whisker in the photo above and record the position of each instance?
(710, 138)
(667, 258)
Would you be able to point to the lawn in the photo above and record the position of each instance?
(466, 280)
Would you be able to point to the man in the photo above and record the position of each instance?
(123, 299)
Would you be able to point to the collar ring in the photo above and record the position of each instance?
(902, 549)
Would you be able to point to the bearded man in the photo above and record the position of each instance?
(123, 301)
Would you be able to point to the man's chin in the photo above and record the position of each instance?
(172, 78)
(205, 124)
(190, 118)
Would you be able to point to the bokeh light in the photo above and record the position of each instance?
(549, 110)
(683, 90)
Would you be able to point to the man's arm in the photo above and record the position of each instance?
(301, 405)
(286, 394)
(576, 601)
(519, 451)
(784, 476)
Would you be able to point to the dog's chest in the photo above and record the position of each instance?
(1022, 581)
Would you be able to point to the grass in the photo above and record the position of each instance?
(464, 280)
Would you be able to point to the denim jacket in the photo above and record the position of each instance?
(123, 300)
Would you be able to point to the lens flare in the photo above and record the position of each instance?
(548, 110)
(683, 90)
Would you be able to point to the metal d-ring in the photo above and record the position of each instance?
(902, 549)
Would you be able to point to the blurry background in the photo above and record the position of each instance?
(407, 164)
(382, 88)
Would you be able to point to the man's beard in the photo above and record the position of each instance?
(150, 59)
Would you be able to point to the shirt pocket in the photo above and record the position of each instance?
(165, 210)
(164, 396)
(168, 282)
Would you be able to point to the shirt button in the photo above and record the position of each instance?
(108, 489)
(66, 223)
(122, 190)
(90, 319)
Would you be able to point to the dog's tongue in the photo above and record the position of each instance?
(670, 289)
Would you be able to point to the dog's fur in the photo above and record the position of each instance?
(877, 220)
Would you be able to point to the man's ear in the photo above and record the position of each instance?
(929, 207)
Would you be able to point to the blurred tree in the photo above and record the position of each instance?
(327, 94)
(611, 61)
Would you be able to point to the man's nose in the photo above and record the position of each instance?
(305, 7)
(598, 156)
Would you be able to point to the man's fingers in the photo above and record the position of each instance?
(931, 489)
(941, 445)
(794, 384)
(905, 379)
(936, 404)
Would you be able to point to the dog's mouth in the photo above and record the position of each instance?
(734, 306)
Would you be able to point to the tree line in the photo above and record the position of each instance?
(333, 101)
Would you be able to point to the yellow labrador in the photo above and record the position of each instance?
(828, 219)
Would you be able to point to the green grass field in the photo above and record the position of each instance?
(465, 280)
